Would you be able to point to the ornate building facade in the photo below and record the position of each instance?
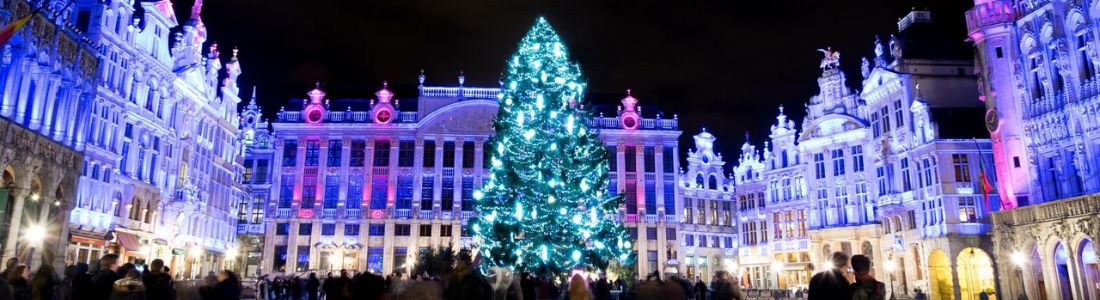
(361, 184)
(884, 171)
(1039, 69)
(709, 227)
(47, 79)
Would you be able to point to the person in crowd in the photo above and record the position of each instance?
(726, 287)
(20, 288)
(43, 283)
(528, 283)
(228, 286)
(158, 284)
(129, 287)
(918, 294)
(466, 283)
(80, 285)
(832, 283)
(865, 286)
(602, 289)
(297, 287)
(700, 289)
(313, 286)
(104, 277)
(368, 286)
(578, 289)
(9, 265)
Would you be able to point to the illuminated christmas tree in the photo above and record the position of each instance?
(545, 208)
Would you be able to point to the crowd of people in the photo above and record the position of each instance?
(856, 282)
(464, 282)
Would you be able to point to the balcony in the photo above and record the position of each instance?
(631, 218)
(466, 215)
(352, 213)
(1049, 211)
(402, 213)
(426, 215)
(652, 219)
(989, 13)
(282, 213)
(328, 213)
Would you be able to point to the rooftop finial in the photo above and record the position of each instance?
(235, 50)
(628, 92)
(746, 136)
(317, 84)
(253, 101)
(781, 108)
(421, 77)
(385, 84)
(461, 77)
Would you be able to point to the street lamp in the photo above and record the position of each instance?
(35, 234)
(891, 266)
(1020, 260)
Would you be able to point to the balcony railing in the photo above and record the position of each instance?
(466, 215)
(1055, 210)
(328, 213)
(282, 213)
(426, 215)
(402, 213)
(651, 219)
(352, 213)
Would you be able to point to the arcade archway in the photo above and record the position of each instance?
(939, 276)
(976, 275)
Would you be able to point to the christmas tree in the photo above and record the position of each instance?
(544, 208)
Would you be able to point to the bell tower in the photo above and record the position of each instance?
(991, 27)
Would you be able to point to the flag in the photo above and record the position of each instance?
(9, 30)
(986, 188)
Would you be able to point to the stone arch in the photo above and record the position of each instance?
(1061, 264)
(1088, 269)
(940, 281)
(713, 184)
(134, 208)
(975, 269)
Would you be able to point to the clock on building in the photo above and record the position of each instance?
(991, 120)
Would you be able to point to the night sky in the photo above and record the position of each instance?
(723, 65)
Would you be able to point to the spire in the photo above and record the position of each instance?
(384, 95)
(316, 95)
(253, 100)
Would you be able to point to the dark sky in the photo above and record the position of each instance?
(723, 65)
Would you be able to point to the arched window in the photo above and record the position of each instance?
(699, 180)
(713, 181)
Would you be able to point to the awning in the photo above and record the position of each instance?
(128, 241)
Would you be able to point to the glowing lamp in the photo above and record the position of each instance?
(891, 266)
(1019, 259)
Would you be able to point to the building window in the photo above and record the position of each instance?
(262, 171)
(819, 165)
(328, 229)
(376, 230)
(379, 188)
(670, 234)
(282, 228)
(286, 191)
(968, 210)
(355, 191)
(332, 191)
(1083, 58)
(467, 155)
(446, 230)
(669, 159)
(448, 197)
(875, 125)
(280, 257)
(612, 159)
(650, 197)
(358, 153)
(467, 193)
(899, 114)
(425, 230)
(399, 256)
(405, 153)
(426, 191)
(928, 172)
(885, 113)
(632, 232)
(309, 190)
(670, 196)
(651, 234)
(449, 154)
(313, 152)
(880, 173)
(374, 260)
(381, 153)
(838, 162)
(857, 159)
(351, 229)
(906, 182)
(404, 192)
(401, 230)
(305, 229)
(651, 259)
(429, 154)
(961, 166)
(335, 150)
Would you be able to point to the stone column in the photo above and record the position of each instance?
(19, 193)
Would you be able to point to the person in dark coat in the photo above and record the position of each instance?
(527, 283)
(465, 283)
(832, 283)
(104, 277)
(601, 289)
(43, 283)
(312, 285)
(21, 289)
(367, 286)
(228, 287)
(700, 290)
(865, 287)
(158, 284)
